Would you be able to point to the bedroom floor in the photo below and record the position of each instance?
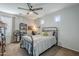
(15, 50)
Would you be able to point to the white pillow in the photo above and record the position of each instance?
(50, 33)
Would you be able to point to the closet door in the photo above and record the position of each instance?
(8, 21)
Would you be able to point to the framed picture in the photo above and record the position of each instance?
(30, 27)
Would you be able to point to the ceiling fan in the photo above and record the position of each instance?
(31, 8)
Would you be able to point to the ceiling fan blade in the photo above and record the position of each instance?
(22, 8)
(35, 13)
(29, 5)
(37, 9)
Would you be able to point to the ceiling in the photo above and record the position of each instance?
(47, 8)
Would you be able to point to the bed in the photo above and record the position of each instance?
(37, 44)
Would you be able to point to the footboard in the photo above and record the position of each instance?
(27, 43)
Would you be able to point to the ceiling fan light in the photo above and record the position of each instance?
(30, 13)
(27, 13)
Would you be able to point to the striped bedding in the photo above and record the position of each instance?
(40, 43)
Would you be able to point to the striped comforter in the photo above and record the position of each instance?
(40, 43)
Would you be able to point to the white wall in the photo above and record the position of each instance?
(19, 20)
(68, 26)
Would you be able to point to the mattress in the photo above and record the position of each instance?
(40, 43)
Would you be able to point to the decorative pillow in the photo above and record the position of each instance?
(45, 33)
(33, 33)
(50, 34)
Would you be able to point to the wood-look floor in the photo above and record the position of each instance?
(15, 50)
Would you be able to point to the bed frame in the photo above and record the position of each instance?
(48, 29)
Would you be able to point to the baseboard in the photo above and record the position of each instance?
(69, 48)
